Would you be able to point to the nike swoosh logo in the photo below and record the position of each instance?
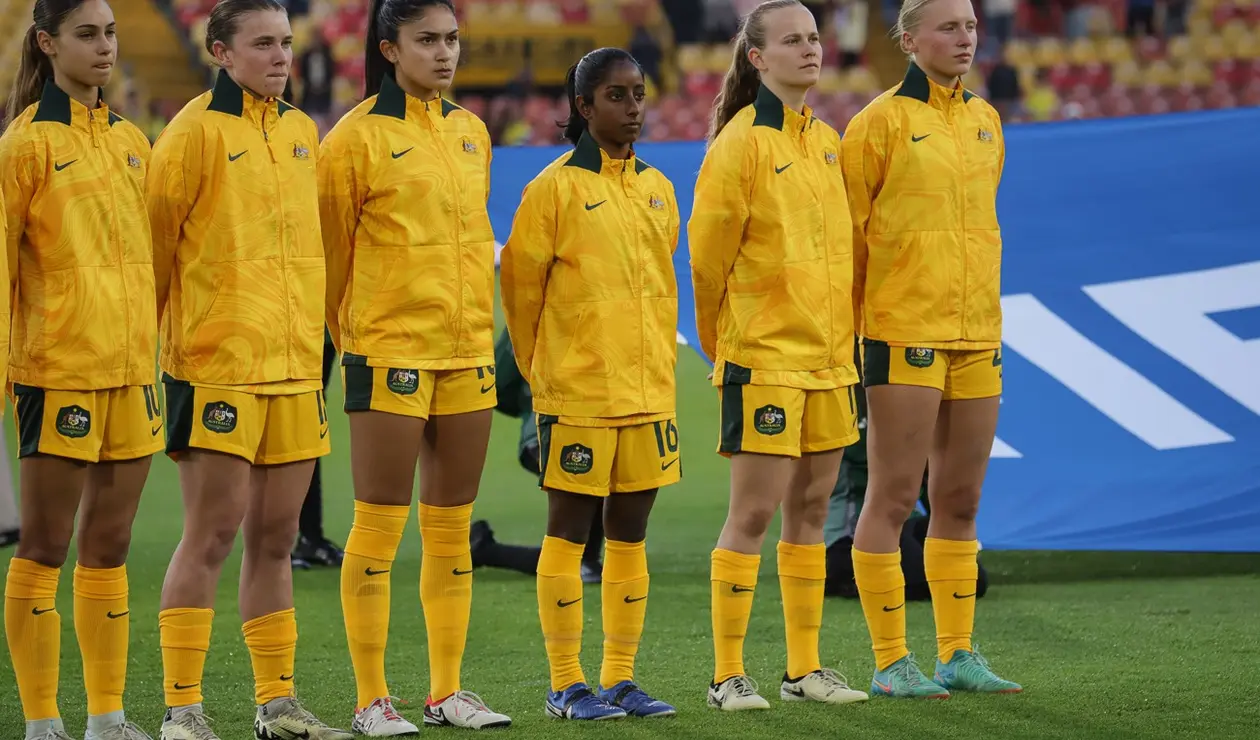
(779, 170)
(369, 572)
(964, 596)
(590, 207)
(37, 611)
(886, 688)
(741, 590)
(668, 465)
(458, 572)
(629, 600)
(562, 603)
(323, 433)
(62, 165)
(795, 691)
(396, 155)
(234, 157)
(917, 139)
(286, 678)
(185, 686)
(111, 615)
(156, 429)
(894, 608)
(487, 388)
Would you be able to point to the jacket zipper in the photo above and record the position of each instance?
(459, 223)
(117, 241)
(803, 142)
(630, 192)
(284, 259)
(962, 181)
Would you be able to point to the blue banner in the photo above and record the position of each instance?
(1131, 293)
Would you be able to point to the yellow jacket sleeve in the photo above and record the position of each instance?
(171, 189)
(524, 265)
(6, 304)
(341, 194)
(716, 229)
(18, 189)
(863, 156)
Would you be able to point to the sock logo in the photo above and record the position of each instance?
(562, 603)
(964, 596)
(185, 686)
(284, 677)
(629, 600)
(741, 590)
(458, 572)
(120, 615)
(37, 611)
(369, 572)
(894, 608)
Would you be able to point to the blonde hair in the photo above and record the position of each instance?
(908, 19)
(739, 86)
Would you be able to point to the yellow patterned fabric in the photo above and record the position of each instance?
(922, 163)
(79, 253)
(237, 255)
(771, 251)
(588, 286)
(410, 250)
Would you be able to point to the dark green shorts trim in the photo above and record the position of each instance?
(358, 379)
(875, 362)
(30, 417)
(545, 422)
(732, 420)
(179, 413)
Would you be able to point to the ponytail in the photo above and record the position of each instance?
(34, 70)
(583, 79)
(739, 87)
(384, 19)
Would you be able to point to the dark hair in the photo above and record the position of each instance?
(35, 68)
(584, 78)
(225, 18)
(739, 87)
(383, 24)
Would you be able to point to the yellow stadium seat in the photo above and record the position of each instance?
(862, 80)
(1195, 73)
(718, 58)
(1199, 25)
(1180, 48)
(1160, 73)
(1018, 53)
(1082, 51)
(830, 81)
(1049, 52)
(1215, 49)
(1117, 49)
(691, 57)
(1233, 31)
(1128, 74)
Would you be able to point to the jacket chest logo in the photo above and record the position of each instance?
(655, 202)
(300, 152)
(469, 146)
(133, 161)
(983, 135)
(830, 156)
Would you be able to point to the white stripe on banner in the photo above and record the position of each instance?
(1117, 390)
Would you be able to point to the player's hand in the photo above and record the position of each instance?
(709, 376)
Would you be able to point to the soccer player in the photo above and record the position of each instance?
(404, 179)
(592, 306)
(771, 263)
(922, 164)
(84, 336)
(240, 281)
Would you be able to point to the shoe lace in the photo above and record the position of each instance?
(387, 708)
(982, 661)
(198, 724)
(471, 700)
(299, 712)
(742, 686)
(131, 732)
(909, 672)
(833, 679)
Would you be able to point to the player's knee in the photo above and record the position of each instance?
(889, 511)
(806, 508)
(39, 547)
(211, 544)
(104, 546)
(957, 503)
(753, 521)
(272, 542)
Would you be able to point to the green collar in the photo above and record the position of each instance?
(392, 101)
(229, 97)
(55, 106)
(917, 85)
(588, 156)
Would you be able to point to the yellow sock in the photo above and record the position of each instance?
(882, 589)
(624, 594)
(185, 638)
(802, 575)
(733, 578)
(951, 569)
(445, 592)
(272, 642)
(102, 623)
(370, 552)
(33, 629)
(560, 609)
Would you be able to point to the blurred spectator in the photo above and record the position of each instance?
(1042, 102)
(999, 21)
(315, 69)
(850, 19)
(647, 50)
(1076, 18)
(1004, 90)
(686, 17)
(1141, 18)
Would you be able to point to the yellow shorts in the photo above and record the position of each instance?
(418, 393)
(774, 420)
(263, 429)
(92, 426)
(959, 374)
(600, 460)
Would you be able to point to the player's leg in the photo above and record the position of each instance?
(829, 424)
(10, 524)
(294, 435)
(647, 459)
(387, 408)
(56, 440)
(131, 427)
(959, 460)
(761, 433)
(212, 435)
(903, 392)
(313, 546)
(576, 465)
(452, 456)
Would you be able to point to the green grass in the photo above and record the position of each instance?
(1107, 645)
